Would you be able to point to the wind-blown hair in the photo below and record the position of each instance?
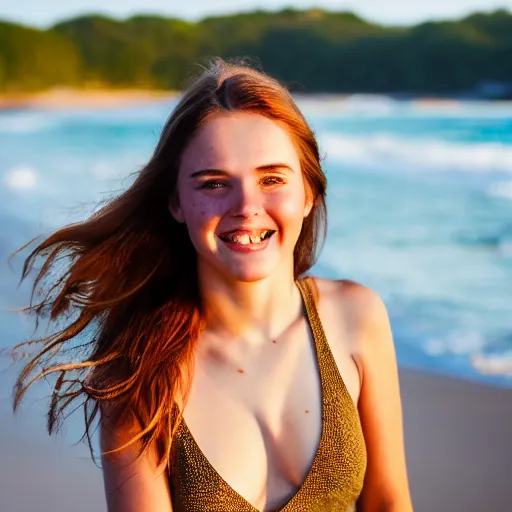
(130, 274)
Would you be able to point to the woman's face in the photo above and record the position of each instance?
(242, 196)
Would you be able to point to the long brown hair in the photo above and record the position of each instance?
(130, 274)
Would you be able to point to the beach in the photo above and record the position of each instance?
(64, 98)
(458, 447)
(419, 210)
(61, 98)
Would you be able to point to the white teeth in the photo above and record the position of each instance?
(242, 239)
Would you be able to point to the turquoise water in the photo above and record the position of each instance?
(419, 199)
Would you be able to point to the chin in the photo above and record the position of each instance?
(250, 275)
(252, 272)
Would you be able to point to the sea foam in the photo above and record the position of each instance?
(388, 151)
(20, 178)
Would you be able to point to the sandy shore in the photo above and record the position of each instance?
(458, 443)
(62, 98)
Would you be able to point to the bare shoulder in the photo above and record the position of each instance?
(346, 289)
(363, 313)
(357, 303)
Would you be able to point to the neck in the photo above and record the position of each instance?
(248, 312)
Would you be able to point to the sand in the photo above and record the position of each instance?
(61, 98)
(458, 445)
(64, 98)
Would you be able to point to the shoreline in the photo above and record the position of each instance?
(60, 98)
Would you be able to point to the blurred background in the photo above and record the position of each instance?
(411, 107)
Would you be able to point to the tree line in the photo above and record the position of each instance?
(310, 50)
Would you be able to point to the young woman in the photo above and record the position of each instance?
(226, 379)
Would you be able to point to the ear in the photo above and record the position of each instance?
(308, 205)
(175, 210)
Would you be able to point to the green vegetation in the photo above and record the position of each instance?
(314, 51)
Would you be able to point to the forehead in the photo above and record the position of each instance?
(240, 140)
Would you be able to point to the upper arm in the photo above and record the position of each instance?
(131, 484)
(386, 484)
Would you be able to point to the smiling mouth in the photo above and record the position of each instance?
(245, 238)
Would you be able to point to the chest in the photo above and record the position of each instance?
(258, 423)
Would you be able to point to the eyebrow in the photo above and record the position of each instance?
(220, 172)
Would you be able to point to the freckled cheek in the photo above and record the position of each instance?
(202, 214)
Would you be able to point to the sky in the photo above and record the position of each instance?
(43, 13)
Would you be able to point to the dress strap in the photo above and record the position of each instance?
(332, 381)
(308, 290)
(324, 357)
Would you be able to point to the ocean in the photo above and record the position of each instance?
(419, 205)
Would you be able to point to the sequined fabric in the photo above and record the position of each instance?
(336, 476)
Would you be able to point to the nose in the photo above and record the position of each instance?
(247, 201)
